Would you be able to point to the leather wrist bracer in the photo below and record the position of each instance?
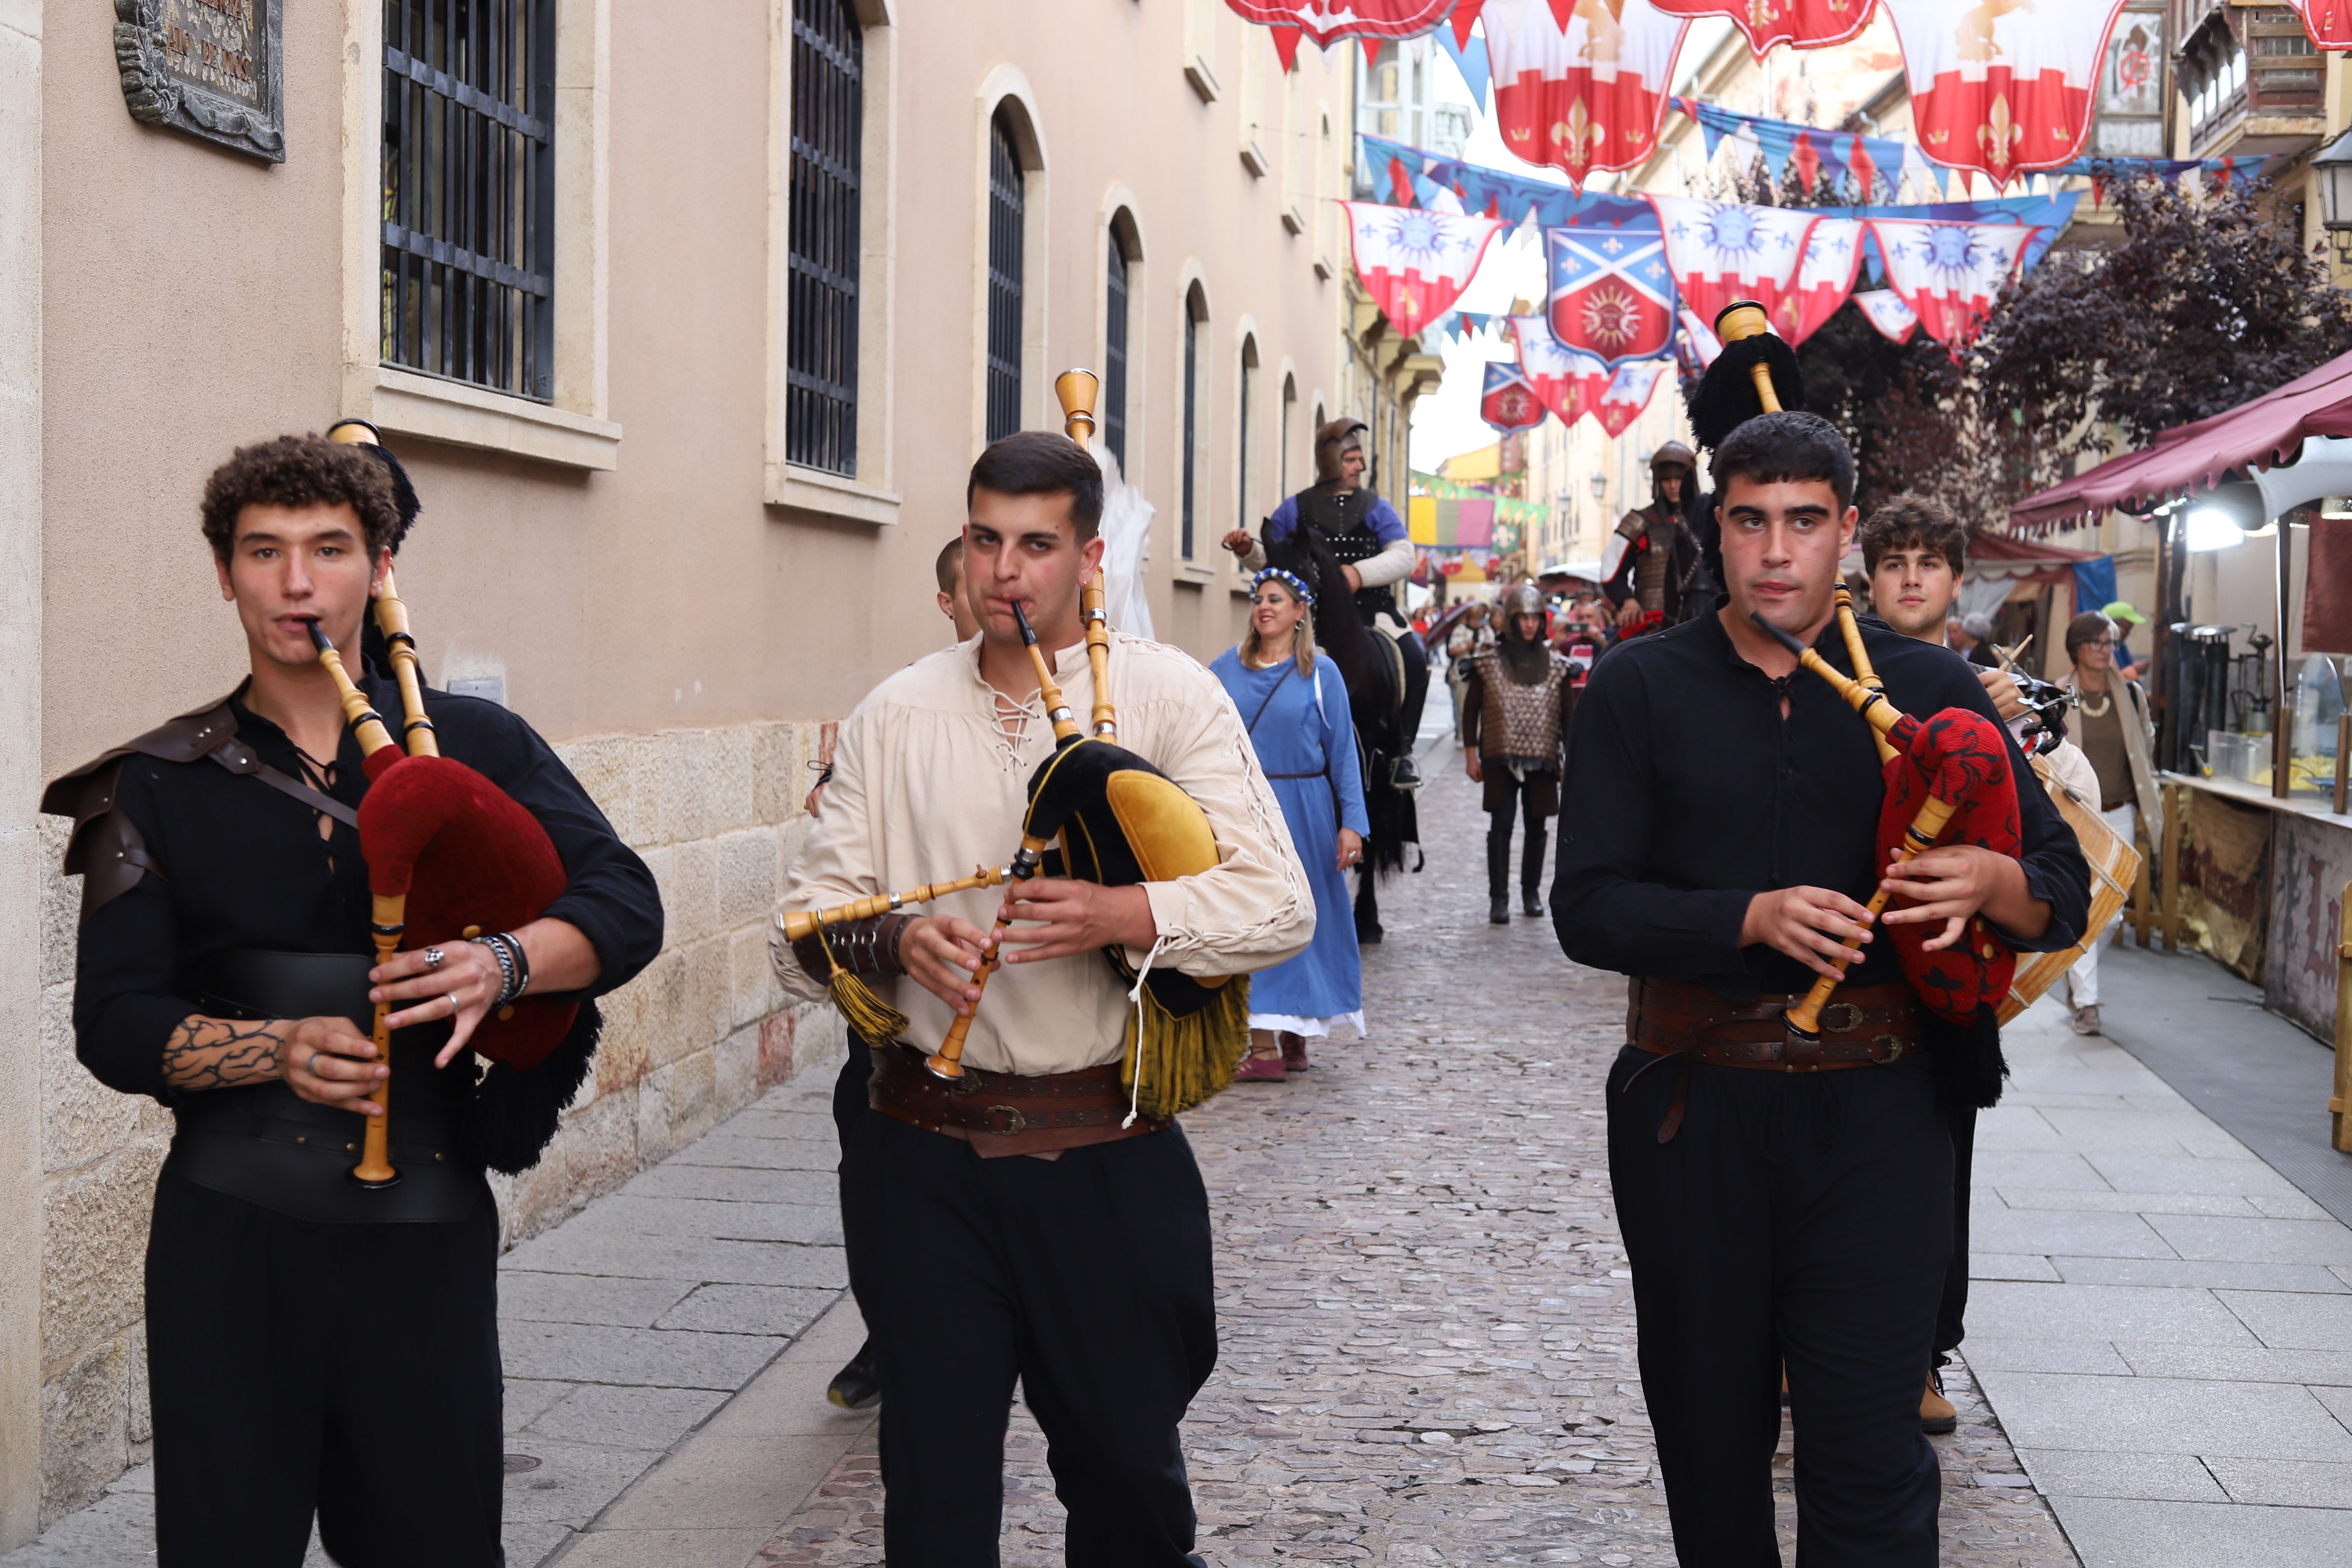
(868, 948)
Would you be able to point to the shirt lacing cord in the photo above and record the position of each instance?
(1011, 720)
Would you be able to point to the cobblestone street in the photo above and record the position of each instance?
(1427, 1325)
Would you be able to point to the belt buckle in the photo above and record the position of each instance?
(1894, 1045)
(1020, 1121)
(1841, 1018)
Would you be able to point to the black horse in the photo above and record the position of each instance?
(1387, 686)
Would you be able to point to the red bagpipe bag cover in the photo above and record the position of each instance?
(468, 858)
(1958, 756)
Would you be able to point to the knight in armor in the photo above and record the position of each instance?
(1341, 518)
(316, 1349)
(1516, 711)
(1652, 564)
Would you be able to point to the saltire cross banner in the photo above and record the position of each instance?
(1326, 22)
(1506, 402)
(1884, 308)
(1580, 85)
(1628, 392)
(1415, 264)
(1723, 251)
(1806, 24)
(1824, 279)
(2003, 89)
(1949, 273)
(1612, 293)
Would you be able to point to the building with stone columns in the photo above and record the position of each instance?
(688, 335)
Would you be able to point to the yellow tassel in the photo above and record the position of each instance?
(876, 1021)
(1187, 1060)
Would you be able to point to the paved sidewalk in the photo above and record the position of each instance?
(626, 1328)
(2161, 1320)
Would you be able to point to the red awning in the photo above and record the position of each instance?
(2188, 458)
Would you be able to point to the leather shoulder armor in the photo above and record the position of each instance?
(106, 850)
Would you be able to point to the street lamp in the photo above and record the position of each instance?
(2333, 166)
(1599, 483)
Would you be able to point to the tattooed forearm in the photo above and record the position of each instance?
(221, 1053)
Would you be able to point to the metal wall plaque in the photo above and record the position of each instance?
(210, 67)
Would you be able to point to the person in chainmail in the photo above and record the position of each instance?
(1652, 559)
(1516, 712)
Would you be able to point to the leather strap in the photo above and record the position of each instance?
(243, 760)
(1005, 1113)
(1860, 1027)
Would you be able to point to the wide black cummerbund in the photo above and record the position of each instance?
(268, 1145)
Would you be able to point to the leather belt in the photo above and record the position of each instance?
(1003, 1113)
(1677, 1021)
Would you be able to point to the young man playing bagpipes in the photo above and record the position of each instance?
(1718, 845)
(314, 1345)
(1015, 1221)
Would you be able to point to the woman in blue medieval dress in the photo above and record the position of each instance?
(1297, 710)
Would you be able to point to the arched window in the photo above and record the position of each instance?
(821, 334)
(1006, 193)
(1196, 311)
(1289, 418)
(1248, 400)
(1114, 386)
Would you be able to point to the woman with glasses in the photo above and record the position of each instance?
(1297, 710)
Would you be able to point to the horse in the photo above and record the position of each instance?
(1384, 699)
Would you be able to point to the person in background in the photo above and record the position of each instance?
(1975, 640)
(1471, 636)
(949, 570)
(1653, 556)
(1515, 720)
(1296, 709)
(2110, 721)
(2120, 611)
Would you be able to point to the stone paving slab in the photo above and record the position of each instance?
(1427, 1328)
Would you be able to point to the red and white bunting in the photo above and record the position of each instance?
(1570, 381)
(1580, 85)
(1950, 273)
(2003, 90)
(1806, 24)
(1628, 392)
(1697, 345)
(2329, 22)
(1884, 308)
(1723, 251)
(1506, 402)
(1326, 22)
(1833, 257)
(1416, 263)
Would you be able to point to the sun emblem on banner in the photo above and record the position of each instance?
(1953, 254)
(1611, 316)
(1514, 404)
(1422, 239)
(1731, 230)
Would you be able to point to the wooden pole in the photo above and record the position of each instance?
(2282, 721)
(2340, 1122)
(2143, 912)
(2175, 828)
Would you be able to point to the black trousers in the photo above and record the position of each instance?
(351, 1370)
(1536, 798)
(1087, 1277)
(1796, 1219)
(1951, 1311)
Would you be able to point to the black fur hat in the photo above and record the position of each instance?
(1726, 397)
(360, 433)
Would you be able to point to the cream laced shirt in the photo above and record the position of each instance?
(930, 777)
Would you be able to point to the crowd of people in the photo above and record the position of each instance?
(1020, 1052)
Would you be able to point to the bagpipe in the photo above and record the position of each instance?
(1110, 818)
(1948, 776)
(449, 855)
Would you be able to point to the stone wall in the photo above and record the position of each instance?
(706, 1028)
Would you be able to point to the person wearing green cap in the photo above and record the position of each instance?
(2120, 612)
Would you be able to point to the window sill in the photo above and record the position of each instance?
(1292, 220)
(406, 403)
(797, 489)
(1192, 573)
(1254, 159)
(1203, 80)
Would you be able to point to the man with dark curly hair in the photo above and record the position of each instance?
(317, 1348)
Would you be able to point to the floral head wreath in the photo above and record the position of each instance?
(1290, 580)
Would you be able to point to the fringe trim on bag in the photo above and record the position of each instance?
(867, 1015)
(1186, 1061)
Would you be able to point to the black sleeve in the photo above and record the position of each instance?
(124, 1009)
(2055, 871)
(612, 896)
(1473, 707)
(1606, 917)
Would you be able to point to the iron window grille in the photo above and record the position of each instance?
(821, 333)
(1191, 422)
(1005, 199)
(469, 191)
(1114, 387)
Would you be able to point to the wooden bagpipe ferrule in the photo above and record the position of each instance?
(1076, 390)
(1745, 318)
(392, 619)
(1870, 701)
(948, 1062)
(1859, 657)
(808, 922)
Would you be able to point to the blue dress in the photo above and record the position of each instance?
(1303, 724)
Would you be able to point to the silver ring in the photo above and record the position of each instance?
(454, 1008)
(434, 959)
(313, 1065)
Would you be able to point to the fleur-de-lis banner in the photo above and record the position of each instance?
(1884, 308)
(1325, 22)
(1570, 382)
(1506, 402)
(2003, 87)
(1723, 251)
(1414, 263)
(1628, 392)
(1580, 85)
(1824, 279)
(1948, 273)
(1806, 24)
(1611, 292)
